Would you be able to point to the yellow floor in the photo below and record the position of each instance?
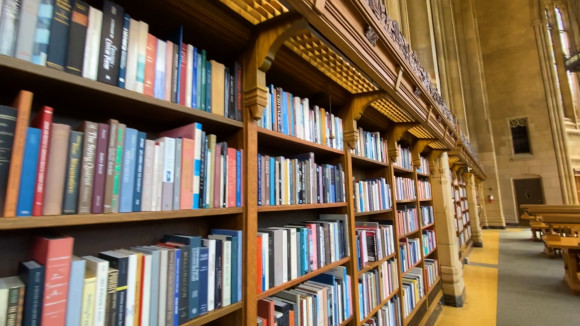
(480, 306)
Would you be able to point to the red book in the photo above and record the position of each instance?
(216, 176)
(97, 206)
(150, 58)
(187, 131)
(266, 310)
(186, 191)
(231, 167)
(43, 121)
(183, 74)
(55, 254)
(259, 265)
(22, 105)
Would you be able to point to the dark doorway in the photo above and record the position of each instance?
(528, 191)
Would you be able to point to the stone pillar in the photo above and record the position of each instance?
(451, 267)
(473, 210)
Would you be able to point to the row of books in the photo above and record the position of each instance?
(413, 290)
(424, 167)
(424, 189)
(404, 160)
(409, 253)
(368, 292)
(431, 271)
(427, 215)
(293, 116)
(324, 300)
(407, 219)
(460, 194)
(374, 242)
(298, 180)
(405, 188)
(371, 145)
(286, 253)
(388, 315)
(169, 283)
(429, 241)
(372, 195)
(109, 46)
(389, 277)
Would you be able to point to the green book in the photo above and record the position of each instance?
(118, 165)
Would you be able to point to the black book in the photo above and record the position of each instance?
(111, 38)
(227, 87)
(238, 90)
(7, 126)
(284, 308)
(218, 273)
(202, 172)
(76, 37)
(111, 305)
(32, 274)
(119, 262)
(59, 30)
(231, 99)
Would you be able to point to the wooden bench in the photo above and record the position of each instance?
(570, 247)
(536, 215)
(558, 224)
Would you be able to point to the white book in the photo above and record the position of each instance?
(141, 56)
(208, 178)
(27, 29)
(291, 256)
(157, 176)
(299, 117)
(160, 70)
(162, 295)
(168, 69)
(3, 303)
(92, 44)
(132, 52)
(226, 267)
(10, 12)
(265, 261)
(131, 285)
(168, 172)
(147, 189)
(100, 268)
(189, 76)
(210, 244)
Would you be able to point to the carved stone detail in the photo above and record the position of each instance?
(372, 35)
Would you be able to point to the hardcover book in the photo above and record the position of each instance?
(92, 44)
(42, 121)
(100, 173)
(139, 171)
(28, 174)
(27, 28)
(32, 274)
(74, 306)
(10, 15)
(56, 171)
(90, 131)
(7, 128)
(111, 37)
(77, 36)
(42, 32)
(59, 30)
(128, 172)
(124, 48)
(111, 159)
(99, 268)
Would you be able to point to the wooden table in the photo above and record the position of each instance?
(570, 253)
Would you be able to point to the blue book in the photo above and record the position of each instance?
(237, 245)
(176, 288)
(75, 297)
(32, 274)
(42, 34)
(304, 252)
(128, 171)
(194, 244)
(360, 301)
(194, 80)
(28, 174)
(139, 169)
(272, 114)
(272, 181)
(259, 180)
(124, 47)
(203, 279)
(239, 179)
(199, 81)
(207, 86)
(177, 39)
(204, 82)
(292, 113)
(285, 126)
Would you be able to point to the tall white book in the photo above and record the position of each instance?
(210, 244)
(131, 285)
(100, 268)
(132, 52)
(141, 55)
(226, 267)
(92, 44)
(27, 29)
(189, 76)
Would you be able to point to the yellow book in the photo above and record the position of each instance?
(217, 88)
(323, 126)
(88, 307)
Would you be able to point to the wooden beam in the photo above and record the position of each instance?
(355, 109)
(395, 134)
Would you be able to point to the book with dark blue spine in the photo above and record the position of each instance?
(32, 274)
(124, 48)
(139, 168)
(42, 34)
(198, 81)
(203, 279)
(75, 297)
(226, 92)
(218, 273)
(182, 267)
(28, 173)
(111, 38)
(239, 178)
(194, 80)
(292, 114)
(128, 171)
(71, 188)
(194, 244)
(121, 264)
(176, 298)
(177, 39)
(208, 86)
(202, 94)
(59, 29)
(237, 245)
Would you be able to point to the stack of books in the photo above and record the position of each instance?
(427, 215)
(408, 220)
(424, 189)
(405, 188)
(372, 195)
(404, 160)
(388, 315)
(389, 278)
(409, 252)
(374, 242)
(424, 168)
(431, 271)
(429, 241)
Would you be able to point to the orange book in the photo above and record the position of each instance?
(138, 290)
(323, 126)
(186, 191)
(22, 105)
(291, 314)
(150, 58)
(259, 265)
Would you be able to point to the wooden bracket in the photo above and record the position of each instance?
(418, 149)
(355, 109)
(318, 6)
(399, 79)
(259, 58)
(395, 134)
(433, 156)
(429, 114)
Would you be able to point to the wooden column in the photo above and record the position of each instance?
(451, 267)
(471, 188)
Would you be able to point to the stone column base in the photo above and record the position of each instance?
(477, 244)
(454, 301)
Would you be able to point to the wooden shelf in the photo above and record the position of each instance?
(406, 235)
(430, 253)
(379, 306)
(423, 175)
(410, 268)
(348, 320)
(414, 311)
(399, 169)
(362, 161)
(214, 314)
(426, 199)
(374, 264)
(433, 285)
(408, 201)
(428, 226)
(30, 222)
(277, 139)
(373, 212)
(301, 279)
(281, 208)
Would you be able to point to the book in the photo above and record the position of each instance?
(74, 303)
(139, 170)
(182, 281)
(118, 168)
(154, 279)
(121, 264)
(147, 188)
(183, 74)
(7, 127)
(133, 290)
(79, 22)
(143, 31)
(177, 174)
(217, 83)
(56, 171)
(167, 173)
(92, 44)
(168, 69)
(26, 29)
(111, 37)
(100, 268)
(15, 298)
(22, 105)
(111, 296)
(186, 182)
(150, 62)
(266, 310)
(9, 26)
(55, 254)
(42, 32)
(88, 300)
(237, 257)
(132, 49)
(124, 48)
(28, 174)
(111, 159)
(128, 172)
(59, 31)
(90, 132)
(226, 267)
(100, 172)
(210, 244)
(203, 279)
(160, 69)
(32, 274)
(42, 121)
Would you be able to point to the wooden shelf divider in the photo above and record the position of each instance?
(280, 208)
(374, 212)
(374, 264)
(214, 314)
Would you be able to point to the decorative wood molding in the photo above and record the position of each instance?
(318, 6)
(399, 79)
(355, 109)
(395, 134)
(418, 149)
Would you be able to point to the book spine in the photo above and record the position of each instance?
(88, 167)
(175, 62)
(141, 56)
(150, 61)
(139, 171)
(98, 199)
(147, 191)
(124, 48)
(204, 80)
(231, 177)
(184, 274)
(42, 32)
(208, 94)
(171, 283)
(77, 36)
(182, 74)
(111, 37)
(73, 172)
(177, 170)
(28, 174)
(44, 123)
(12, 314)
(203, 280)
(57, 158)
(168, 174)
(194, 79)
(202, 170)
(59, 29)
(128, 172)
(160, 70)
(198, 81)
(197, 166)
(132, 49)
(9, 26)
(188, 75)
(27, 28)
(194, 283)
(33, 296)
(118, 166)
(238, 90)
(168, 69)
(92, 44)
(110, 173)
(111, 305)
(75, 297)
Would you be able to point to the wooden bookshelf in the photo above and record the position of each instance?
(373, 212)
(283, 208)
(433, 286)
(367, 162)
(378, 307)
(409, 201)
(407, 320)
(409, 234)
(275, 139)
(428, 226)
(375, 264)
(430, 253)
(411, 267)
(214, 314)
